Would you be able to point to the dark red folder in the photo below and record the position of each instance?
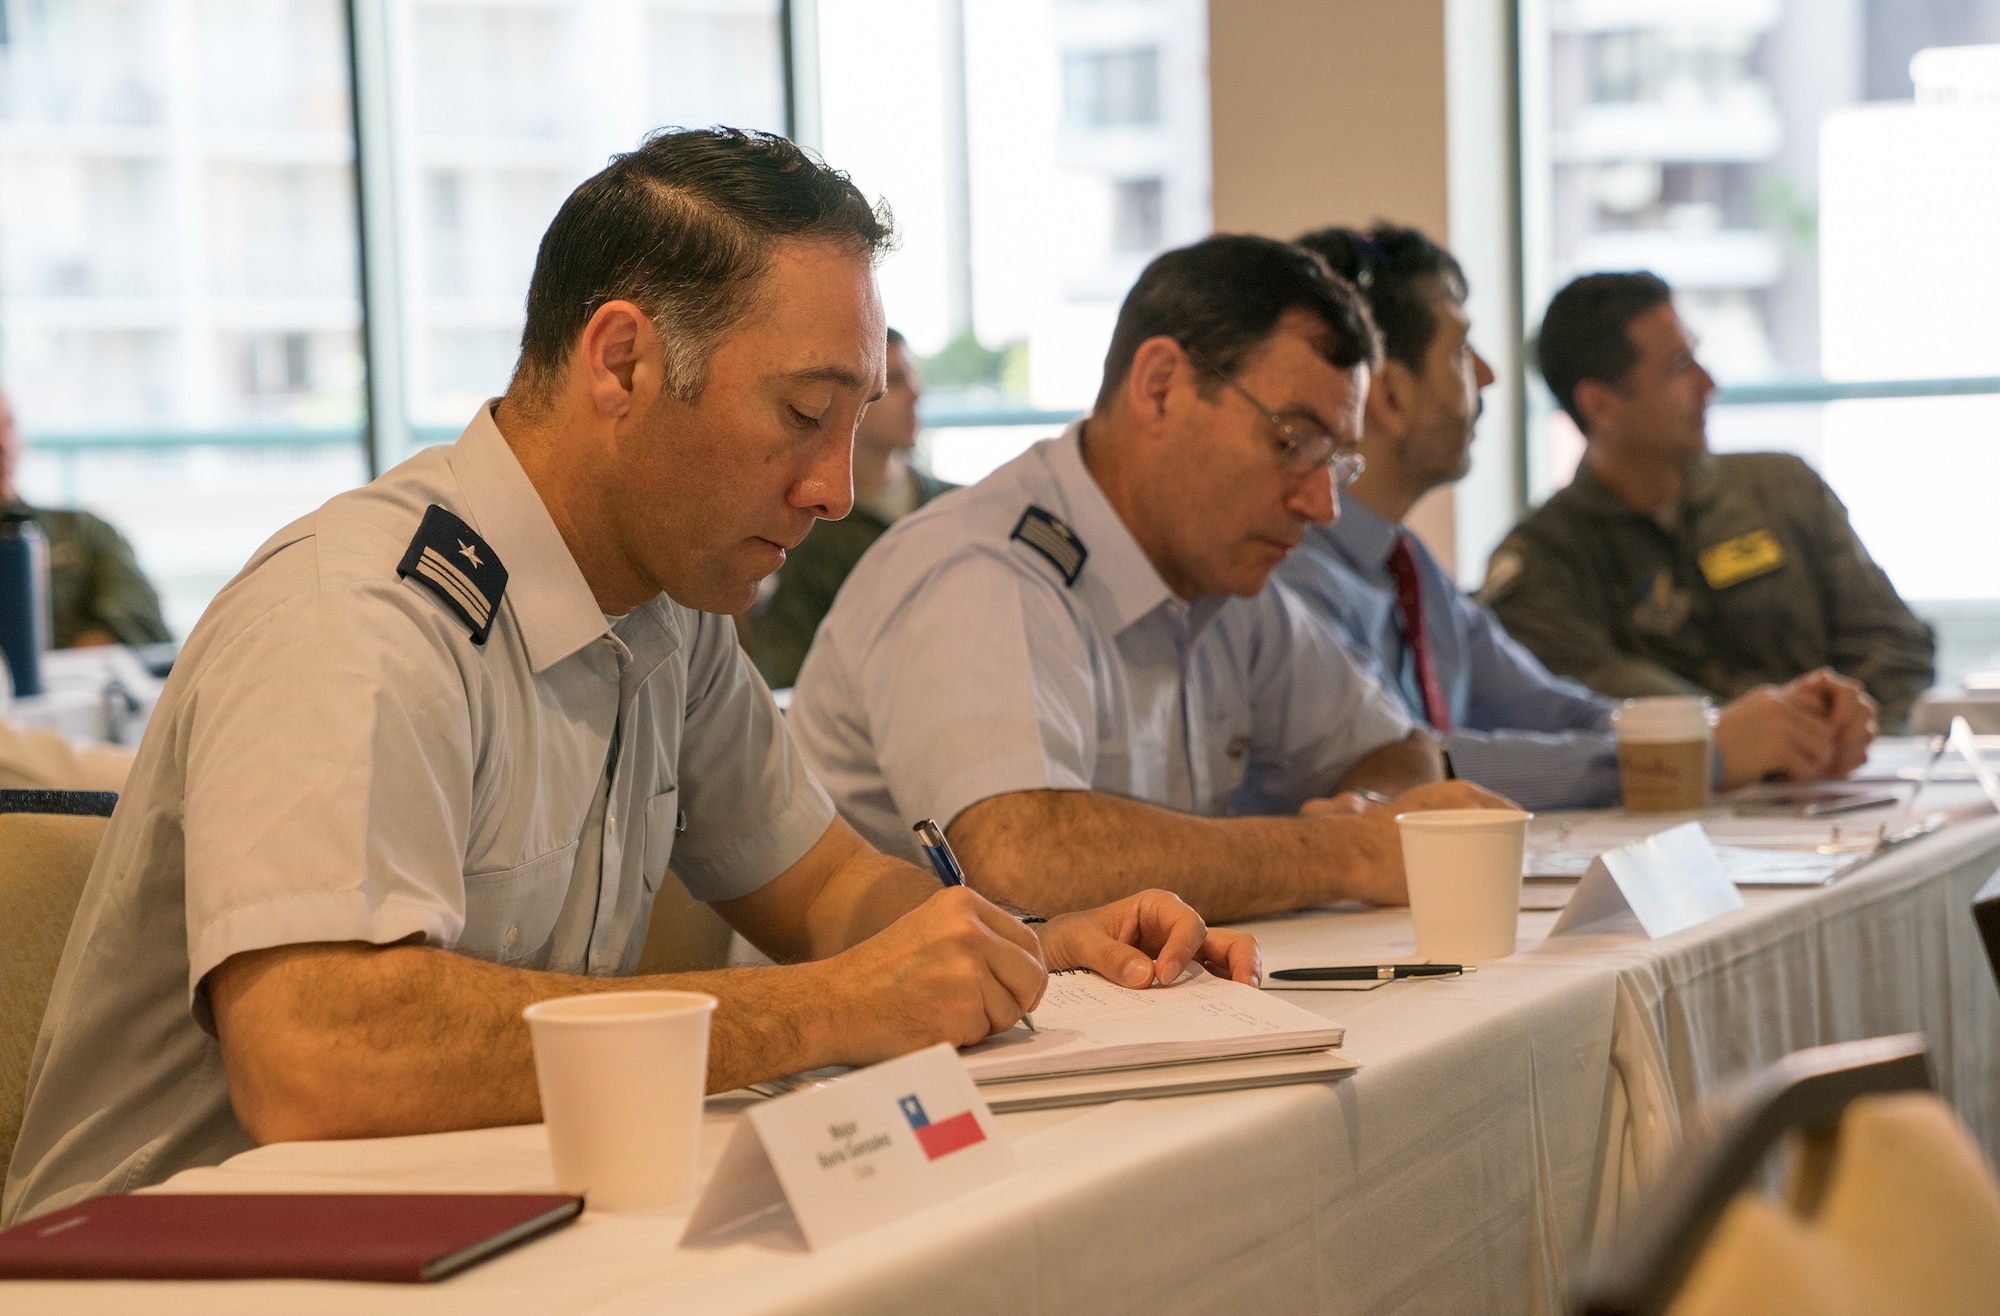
(402, 1238)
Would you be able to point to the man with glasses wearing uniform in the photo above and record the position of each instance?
(1079, 666)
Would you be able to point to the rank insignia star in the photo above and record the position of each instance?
(473, 585)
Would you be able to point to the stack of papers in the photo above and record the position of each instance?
(1097, 1041)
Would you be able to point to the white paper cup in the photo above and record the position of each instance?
(622, 1076)
(1464, 871)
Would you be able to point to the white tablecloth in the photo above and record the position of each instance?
(1500, 1124)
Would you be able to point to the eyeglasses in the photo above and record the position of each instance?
(1302, 448)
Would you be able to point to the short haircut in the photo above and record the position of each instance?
(1400, 272)
(1221, 298)
(683, 228)
(896, 338)
(1584, 331)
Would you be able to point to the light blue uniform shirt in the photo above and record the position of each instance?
(335, 759)
(958, 664)
(1540, 739)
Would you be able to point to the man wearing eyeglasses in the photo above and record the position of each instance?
(1663, 569)
(1079, 665)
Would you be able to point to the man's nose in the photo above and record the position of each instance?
(1315, 498)
(1482, 373)
(827, 487)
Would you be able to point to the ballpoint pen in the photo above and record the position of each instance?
(1366, 972)
(945, 864)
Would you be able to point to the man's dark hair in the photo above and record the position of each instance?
(1400, 272)
(896, 338)
(1221, 298)
(1584, 331)
(683, 228)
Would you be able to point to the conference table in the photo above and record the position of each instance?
(1502, 1124)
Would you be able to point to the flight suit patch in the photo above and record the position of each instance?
(1743, 558)
(448, 558)
(1053, 540)
(1662, 609)
(1503, 572)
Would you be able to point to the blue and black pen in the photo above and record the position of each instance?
(945, 864)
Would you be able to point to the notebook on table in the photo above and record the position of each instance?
(403, 1238)
(1086, 1024)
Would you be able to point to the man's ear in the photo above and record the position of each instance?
(1597, 405)
(619, 358)
(1392, 400)
(1150, 381)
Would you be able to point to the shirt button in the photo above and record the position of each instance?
(513, 935)
(611, 823)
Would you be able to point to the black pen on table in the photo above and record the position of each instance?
(1366, 972)
(945, 864)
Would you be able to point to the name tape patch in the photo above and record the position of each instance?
(1055, 541)
(448, 558)
(1742, 558)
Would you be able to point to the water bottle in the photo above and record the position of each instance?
(24, 600)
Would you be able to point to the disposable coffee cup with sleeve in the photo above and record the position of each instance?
(1664, 752)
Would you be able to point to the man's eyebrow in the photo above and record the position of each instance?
(840, 375)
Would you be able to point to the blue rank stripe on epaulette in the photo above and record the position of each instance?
(453, 562)
(1053, 540)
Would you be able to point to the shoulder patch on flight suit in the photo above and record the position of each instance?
(1053, 540)
(1742, 558)
(1503, 570)
(455, 564)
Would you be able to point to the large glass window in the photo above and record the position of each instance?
(499, 108)
(1817, 180)
(1037, 153)
(180, 275)
(179, 310)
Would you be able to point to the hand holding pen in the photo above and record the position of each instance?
(945, 864)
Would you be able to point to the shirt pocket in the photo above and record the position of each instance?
(663, 815)
(510, 914)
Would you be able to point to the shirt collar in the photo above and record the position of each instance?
(1361, 537)
(552, 603)
(1126, 577)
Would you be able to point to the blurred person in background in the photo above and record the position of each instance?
(886, 488)
(1508, 723)
(97, 593)
(1664, 569)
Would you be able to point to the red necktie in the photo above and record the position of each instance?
(1410, 596)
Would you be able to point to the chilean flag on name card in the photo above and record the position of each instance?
(946, 1136)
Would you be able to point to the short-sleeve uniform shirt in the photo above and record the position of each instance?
(1014, 636)
(336, 759)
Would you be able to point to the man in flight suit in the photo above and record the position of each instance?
(1664, 569)
(1507, 722)
(426, 760)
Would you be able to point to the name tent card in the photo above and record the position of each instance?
(1670, 881)
(861, 1151)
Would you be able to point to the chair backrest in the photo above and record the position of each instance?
(1986, 914)
(1726, 1145)
(44, 860)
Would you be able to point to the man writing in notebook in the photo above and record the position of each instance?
(1078, 664)
(426, 760)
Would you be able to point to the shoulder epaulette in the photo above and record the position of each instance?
(453, 562)
(1055, 541)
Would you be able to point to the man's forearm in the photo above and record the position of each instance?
(351, 1041)
(1051, 852)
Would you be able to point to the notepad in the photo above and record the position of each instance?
(1086, 1024)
